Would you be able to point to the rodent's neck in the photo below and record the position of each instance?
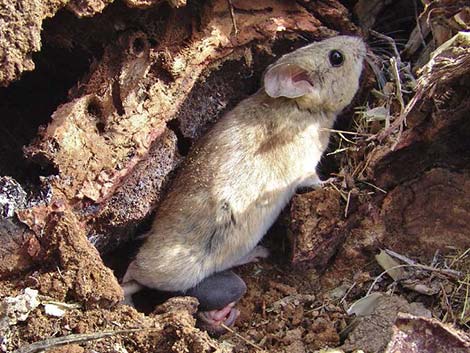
(306, 115)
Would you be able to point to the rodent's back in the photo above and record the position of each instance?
(207, 221)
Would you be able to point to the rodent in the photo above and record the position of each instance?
(240, 175)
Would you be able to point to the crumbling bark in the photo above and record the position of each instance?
(419, 334)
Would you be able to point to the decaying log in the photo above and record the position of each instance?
(20, 31)
(22, 22)
(367, 11)
(315, 220)
(19, 245)
(442, 19)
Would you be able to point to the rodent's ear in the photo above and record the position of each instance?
(287, 80)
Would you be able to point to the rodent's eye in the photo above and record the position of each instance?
(336, 58)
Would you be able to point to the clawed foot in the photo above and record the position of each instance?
(315, 183)
(212, 320)
(330, 180)
(259, 252)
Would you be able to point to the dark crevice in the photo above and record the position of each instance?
(29, 103)
(116, 94)
(183, 142)
(447, 150)
(69, 45)
(138, 45)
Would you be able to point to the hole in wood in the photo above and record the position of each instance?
(138, 45)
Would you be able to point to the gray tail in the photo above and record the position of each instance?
(131, 287)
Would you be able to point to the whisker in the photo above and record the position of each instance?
(379, 75)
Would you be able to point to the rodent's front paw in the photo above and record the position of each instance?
(315, 183)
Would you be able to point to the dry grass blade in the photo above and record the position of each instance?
(74, 338)
(373, 186)
(247, 341)
(232, 15)
(346, 208)
(355, 133)
(463, 315)
(456, 308)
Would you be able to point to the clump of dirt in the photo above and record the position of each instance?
(280, 311)
(170, 330)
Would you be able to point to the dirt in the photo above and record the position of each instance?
(173, 328)
(282, 313)
(279, 312)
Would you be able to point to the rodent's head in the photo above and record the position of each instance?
(320, 76)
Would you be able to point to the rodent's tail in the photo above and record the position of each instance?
(131, 287)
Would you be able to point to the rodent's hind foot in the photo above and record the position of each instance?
(212, 320)
(259, 252)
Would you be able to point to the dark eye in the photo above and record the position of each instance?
(336, 58)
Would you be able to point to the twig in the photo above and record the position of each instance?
(448, 307)
(346, 132)
(435, 258)
(232, 15)
(247, 341)
(338, 151)
(450, 273)
(400, 257)
(373, 186)
(73, 338)
(347, 293)
(399, 122)
(340, 192)
(344, 138)
(465, 253)
(396, 76)
(346, 208)
(324, 305)
(465, 304)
